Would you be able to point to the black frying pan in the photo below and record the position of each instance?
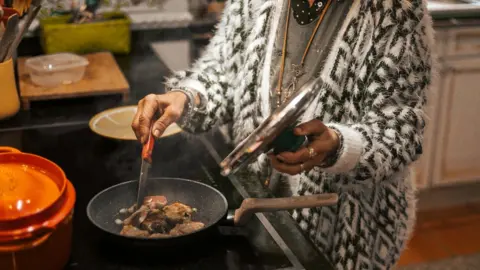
(212, 208)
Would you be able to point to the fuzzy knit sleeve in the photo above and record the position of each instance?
(388, 136)
(211, 74)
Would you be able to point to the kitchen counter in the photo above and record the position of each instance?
(58, 130)
(440, 9)
(144, 17)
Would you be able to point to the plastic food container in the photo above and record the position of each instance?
(55, 69)
(36, 211)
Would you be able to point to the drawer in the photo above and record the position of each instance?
(463, 42)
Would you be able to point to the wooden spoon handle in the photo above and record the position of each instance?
(32, 13)
(251, 206)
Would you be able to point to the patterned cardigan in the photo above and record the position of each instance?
(377, 75)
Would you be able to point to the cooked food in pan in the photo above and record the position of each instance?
(158, 219)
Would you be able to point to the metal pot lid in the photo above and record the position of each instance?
(260, 140)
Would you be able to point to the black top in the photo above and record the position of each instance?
(304, 13)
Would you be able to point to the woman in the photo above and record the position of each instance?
(367, 121)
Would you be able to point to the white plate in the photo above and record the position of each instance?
(117, 124)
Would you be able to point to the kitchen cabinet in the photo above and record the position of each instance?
(423, 168)
(462, 42)
(451, 148)
(457, 157)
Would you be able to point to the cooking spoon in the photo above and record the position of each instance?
(11, 30)
(32, 13)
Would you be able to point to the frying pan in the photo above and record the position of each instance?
(212, 208)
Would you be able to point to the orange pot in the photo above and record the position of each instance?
(36, 210)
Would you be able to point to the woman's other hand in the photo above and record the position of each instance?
(170, 106)
(323, 142)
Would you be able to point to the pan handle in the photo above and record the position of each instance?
(251, 206)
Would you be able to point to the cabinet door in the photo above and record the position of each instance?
(457, 156)
(463, 41)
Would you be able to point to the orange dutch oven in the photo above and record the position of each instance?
(36, 210)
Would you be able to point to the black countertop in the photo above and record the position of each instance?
(58, 130)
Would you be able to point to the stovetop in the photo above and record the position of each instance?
(93, 163)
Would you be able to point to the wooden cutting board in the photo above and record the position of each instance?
(102, 77)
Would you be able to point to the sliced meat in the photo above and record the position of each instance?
(132, 209)
(143, 215)
(156, 222)
(156, 219)
(159, 235)
(133, 219)
(155, 202)
(178, 212)
(130, 230)
(186, 228)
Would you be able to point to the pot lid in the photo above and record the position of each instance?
(25, 190)
(263, 138)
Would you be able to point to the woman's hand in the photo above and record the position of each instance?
(323, 142)
(170, 106)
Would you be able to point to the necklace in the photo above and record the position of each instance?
(297, 70)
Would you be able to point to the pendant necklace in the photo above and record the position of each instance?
(297, 69)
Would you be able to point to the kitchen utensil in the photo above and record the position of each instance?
(32, 13)
(55, 69)
(36, 212)
(269, 134)
(9, 102)
(144, 169)
(7, 12)
(211, 205)
(11, 31)
(116, 124)
(21, 5)
(76, 14)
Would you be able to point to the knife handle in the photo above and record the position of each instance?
(148, 148)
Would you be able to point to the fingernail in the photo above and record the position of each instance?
(156, 133)
(281, 158)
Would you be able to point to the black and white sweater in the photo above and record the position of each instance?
(377, 75)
